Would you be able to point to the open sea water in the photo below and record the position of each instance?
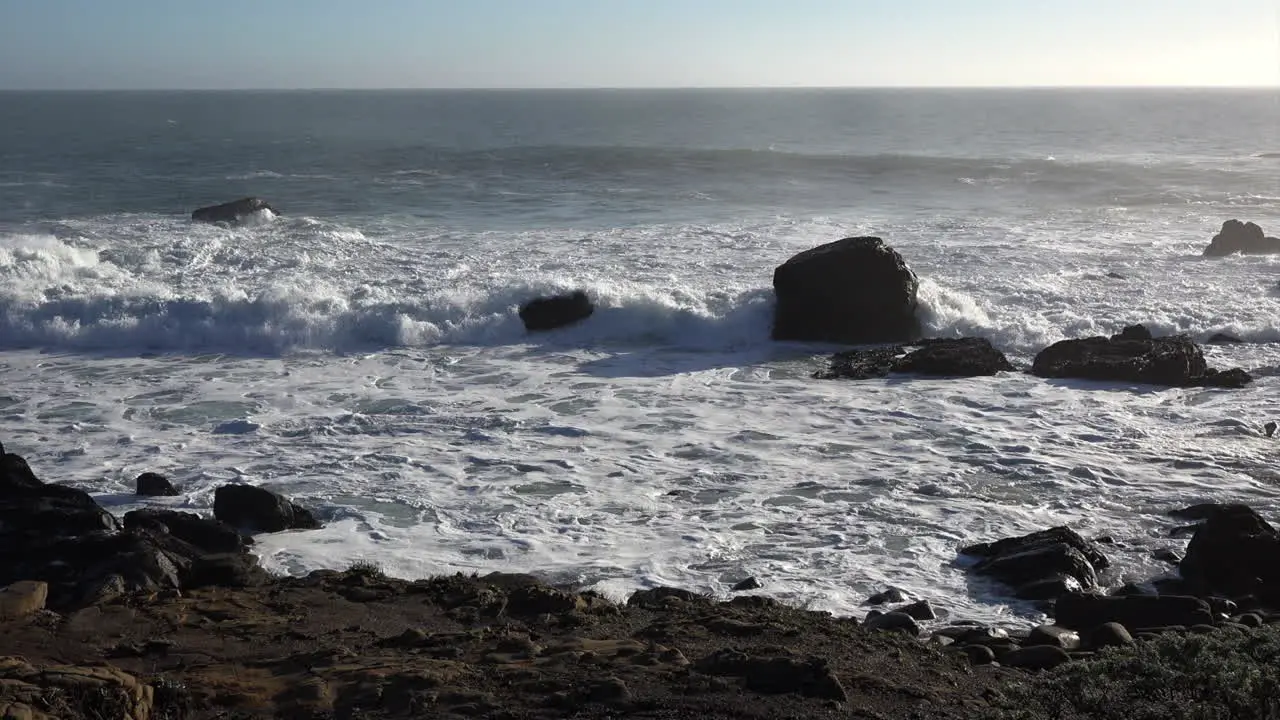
(361, 353)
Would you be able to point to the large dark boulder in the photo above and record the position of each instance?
(205, 534)
(1244, 238)
(853, 291)
(1233, 553)
(232, 212)
(1173, 361)
(1086, 611)
(256, 509)
(1041, 565)
(151, 484)
(556, 311)
(961, 357)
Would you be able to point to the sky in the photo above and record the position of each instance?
(180, 44)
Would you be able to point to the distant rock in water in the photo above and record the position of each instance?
(1244, 238)
(557, 311)
(1269, 428)
(1224, 339)
(232, 212)
(962, 357)
(852, 291)
(1174, 361)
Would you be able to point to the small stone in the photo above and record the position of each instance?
(892, 595)
(894, 621)
(1167, 556)
(22, 599)
(1110, 635)
(1040, 657)
(749, 584)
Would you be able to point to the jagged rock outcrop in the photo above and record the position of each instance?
(1128, 357)
(1245, 238)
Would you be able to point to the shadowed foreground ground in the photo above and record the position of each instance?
(359, 645)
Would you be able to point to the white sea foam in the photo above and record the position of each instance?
(375, 368)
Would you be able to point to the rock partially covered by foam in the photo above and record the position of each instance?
(1042, 565)
(556, 311)
(1175, 361)
(960, 357)
(1245, 238)
(856, 290)
(233, 212)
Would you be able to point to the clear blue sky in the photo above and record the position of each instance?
(624, 43)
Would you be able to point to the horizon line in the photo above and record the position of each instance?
(547, 88)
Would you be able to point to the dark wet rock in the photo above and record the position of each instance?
(1252, 620)
(556, 311)
(1245, 238)
(1174, 361)
(256, 509)
(853, 291)
(890, 595)
(232, 212)
(749, 584)
(809, 677)
(1167, 556)
(1053, 635)
(1270, 428)
(1041, 565)
(155, 485)
(978, 654)
(1109, 635)
(539, 599)
(919, 610)
(894, 621)
(207, 535)
(661, 597)
(1039, 657)
(1085, 611)
(1224, 339)
(963, 357)
(1234, 378)
(1131, 589)
(1134, 332)
(1234, 552)
(1116, 276)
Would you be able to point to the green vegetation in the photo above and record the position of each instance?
(1228, 674)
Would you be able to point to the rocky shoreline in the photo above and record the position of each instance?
(167, 615)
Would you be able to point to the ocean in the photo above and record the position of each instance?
(360, 351)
